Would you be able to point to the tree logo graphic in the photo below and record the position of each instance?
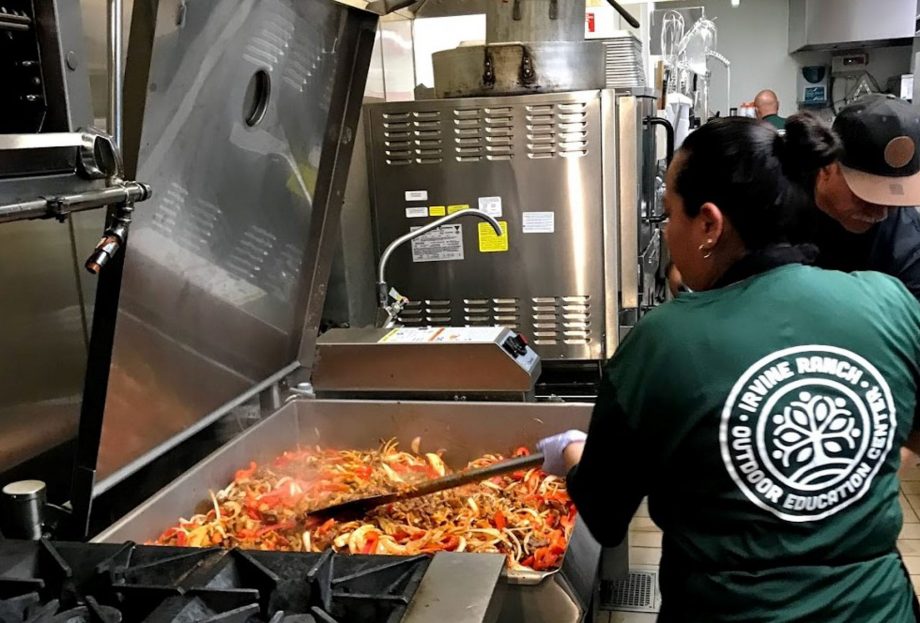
(805, 430)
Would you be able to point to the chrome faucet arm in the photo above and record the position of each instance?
(382, 288)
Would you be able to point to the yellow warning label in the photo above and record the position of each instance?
(491, 243)
(437, 211)
(458, 208)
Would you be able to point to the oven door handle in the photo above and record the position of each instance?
(669, 135)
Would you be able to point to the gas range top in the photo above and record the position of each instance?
(59, 582)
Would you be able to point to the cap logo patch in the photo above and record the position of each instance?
(899, 152)
(896, 189)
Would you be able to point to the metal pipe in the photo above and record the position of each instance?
(37, 208)
(115, 16)
(127, 192)
(57, 207)
(421, 231)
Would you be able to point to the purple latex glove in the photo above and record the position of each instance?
(553, 449)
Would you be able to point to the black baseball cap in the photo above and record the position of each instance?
(881, 140)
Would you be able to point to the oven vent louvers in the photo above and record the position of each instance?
(427, 313)
(489, 312)
(561, 320)
(413, 138)
(557, 130)
(483, 134)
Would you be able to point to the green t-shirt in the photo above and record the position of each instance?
(763, 421)
(776, 121)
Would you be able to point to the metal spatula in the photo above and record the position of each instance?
(361, 506)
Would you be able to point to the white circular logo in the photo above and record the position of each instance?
(805, 430)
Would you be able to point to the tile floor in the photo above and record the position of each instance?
(645, 539)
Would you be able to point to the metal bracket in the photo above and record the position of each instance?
(554, 9)
(488, 69)
(528, 74)
(516, 11)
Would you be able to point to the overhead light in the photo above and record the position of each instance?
(736, 2)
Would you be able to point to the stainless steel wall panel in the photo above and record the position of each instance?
(42, 338)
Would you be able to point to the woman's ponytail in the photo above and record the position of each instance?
(809, 146)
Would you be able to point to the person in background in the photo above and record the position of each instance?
(767, 106)
(862, 182)
(766, 409)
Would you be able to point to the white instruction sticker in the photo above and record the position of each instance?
(419, 335)
(469, 334)
(411, 335)
(539, 222)
(417, 212)
(416, 195)
(443, 244)
(491, 206)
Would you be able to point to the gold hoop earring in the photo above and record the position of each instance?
(706, 255)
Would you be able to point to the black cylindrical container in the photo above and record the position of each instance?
(23, 509)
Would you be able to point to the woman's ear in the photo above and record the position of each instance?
(711, 222)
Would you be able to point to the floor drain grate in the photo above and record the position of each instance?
(637, 592)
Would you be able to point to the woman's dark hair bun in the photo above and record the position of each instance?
(810, 145)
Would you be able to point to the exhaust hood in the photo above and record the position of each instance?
(840, 24)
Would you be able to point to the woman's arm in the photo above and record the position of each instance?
(608, 478)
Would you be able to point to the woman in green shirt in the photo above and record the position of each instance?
(760, 414)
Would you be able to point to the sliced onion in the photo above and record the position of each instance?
(436, 463)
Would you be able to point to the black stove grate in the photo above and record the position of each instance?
(44, 582)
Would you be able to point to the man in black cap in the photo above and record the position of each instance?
(865, 177)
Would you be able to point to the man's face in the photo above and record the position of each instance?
(834, 198)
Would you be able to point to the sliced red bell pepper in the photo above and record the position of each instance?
(500, 521)
(450, 542)
(370, 543)
(168, 534)
(569, 520)
(243, 474)
(544, 559)
(326, 527)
